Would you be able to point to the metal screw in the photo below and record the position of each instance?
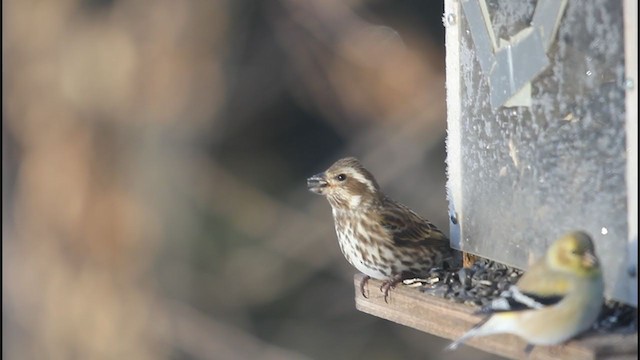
(629, 84)
(631, 271)
(449, 19)
(454, 218)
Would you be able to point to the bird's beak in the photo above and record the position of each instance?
(589, 260)
(317, 183)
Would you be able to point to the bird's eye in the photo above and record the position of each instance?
(341, 177)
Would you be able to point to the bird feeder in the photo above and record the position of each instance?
(542, 139)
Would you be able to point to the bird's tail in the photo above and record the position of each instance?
(476, 330)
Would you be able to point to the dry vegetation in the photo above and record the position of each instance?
(154, 164)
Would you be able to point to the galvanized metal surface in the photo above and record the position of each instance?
(521, 176)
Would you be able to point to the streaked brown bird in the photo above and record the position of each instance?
(381, 238)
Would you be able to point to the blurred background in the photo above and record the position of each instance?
(154, 158)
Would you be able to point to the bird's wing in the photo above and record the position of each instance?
(515, 300)
(408, 229)
(538, 288)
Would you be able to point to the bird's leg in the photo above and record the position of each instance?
(363, 284)
(391, 284)
(528, 349)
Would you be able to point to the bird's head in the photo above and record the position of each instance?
(346, 184)
(574, 252)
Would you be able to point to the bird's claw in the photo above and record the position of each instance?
(391, 284)
(386, 287)
(363, 284)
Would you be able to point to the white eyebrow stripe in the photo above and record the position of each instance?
(359, 177)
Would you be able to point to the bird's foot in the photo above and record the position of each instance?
(527, 350)
(363, 284)
(390, 284)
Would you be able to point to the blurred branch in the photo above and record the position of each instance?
(199, 335)
(293, 234)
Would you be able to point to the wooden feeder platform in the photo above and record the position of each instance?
(410, 307)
